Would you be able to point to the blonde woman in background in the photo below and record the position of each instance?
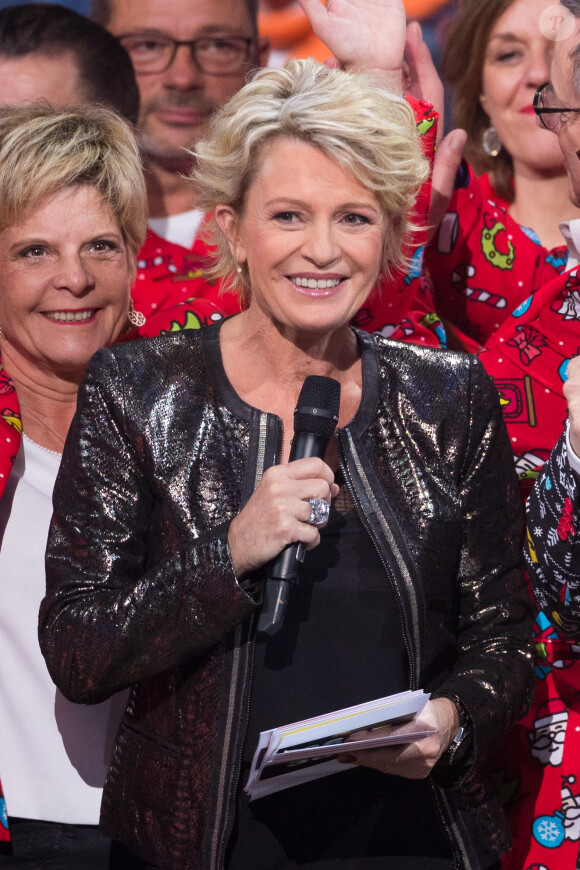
(72, 219)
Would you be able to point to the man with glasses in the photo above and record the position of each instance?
(189, 57)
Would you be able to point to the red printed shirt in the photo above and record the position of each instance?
(483, 264)
(537, 769)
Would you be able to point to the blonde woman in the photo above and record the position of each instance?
(72, 219)
(156, 574)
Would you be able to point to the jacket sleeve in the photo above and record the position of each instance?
(493, 677)
(109, 618)
(553, 545)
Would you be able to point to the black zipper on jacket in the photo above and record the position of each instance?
(446, 815)
(392, 535)
(225, 817)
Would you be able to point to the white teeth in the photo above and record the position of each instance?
(65, 316)
(316, 284)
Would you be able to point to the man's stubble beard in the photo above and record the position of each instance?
(170, 158)
(174, 158)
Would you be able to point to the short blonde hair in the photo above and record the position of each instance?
(44, 151)
(370, 132)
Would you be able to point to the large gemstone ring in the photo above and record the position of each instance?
(319, 511)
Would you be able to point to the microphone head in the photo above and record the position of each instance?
(318, 406)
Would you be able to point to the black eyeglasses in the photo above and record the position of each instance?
(550, 115)
(213, 55)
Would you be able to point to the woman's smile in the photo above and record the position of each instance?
(312, 285)
(71, 317)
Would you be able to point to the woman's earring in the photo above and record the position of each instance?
(491, 142)
(2, 334)
(136, 318)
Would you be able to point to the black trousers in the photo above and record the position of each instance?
(38, 845)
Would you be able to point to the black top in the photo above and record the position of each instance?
(341, 644)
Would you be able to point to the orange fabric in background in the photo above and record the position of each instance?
(289, 29)
(423, 8)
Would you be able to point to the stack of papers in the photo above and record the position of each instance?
(303, 751)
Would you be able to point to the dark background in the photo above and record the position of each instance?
(78, 5)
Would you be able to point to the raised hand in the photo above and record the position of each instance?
(447, 161)
(278, 511)
(422, 81)
(364, 35)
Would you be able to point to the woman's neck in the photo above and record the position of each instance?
(542, 202)
(47, 402)
(267, 365)
(259, 354)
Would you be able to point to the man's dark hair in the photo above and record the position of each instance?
(105, 69)
(101, 11)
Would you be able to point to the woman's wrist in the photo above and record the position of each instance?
(460, 730)
(448, 721)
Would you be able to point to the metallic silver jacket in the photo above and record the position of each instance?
(161, 456)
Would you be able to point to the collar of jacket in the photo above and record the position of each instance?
(227, 394)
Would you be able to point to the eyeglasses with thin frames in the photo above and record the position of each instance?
(212, 55)
(550, 115)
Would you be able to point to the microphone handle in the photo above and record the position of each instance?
(285, 568)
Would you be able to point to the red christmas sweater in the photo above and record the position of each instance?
(483, 264)
(538, 767)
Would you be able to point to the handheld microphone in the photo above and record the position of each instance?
(315, 419)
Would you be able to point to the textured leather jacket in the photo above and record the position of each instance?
(161, 456)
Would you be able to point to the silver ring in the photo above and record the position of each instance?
(319, 511)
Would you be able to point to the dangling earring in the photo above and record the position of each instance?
(136, 318)
(491, 142)
(2, 334)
